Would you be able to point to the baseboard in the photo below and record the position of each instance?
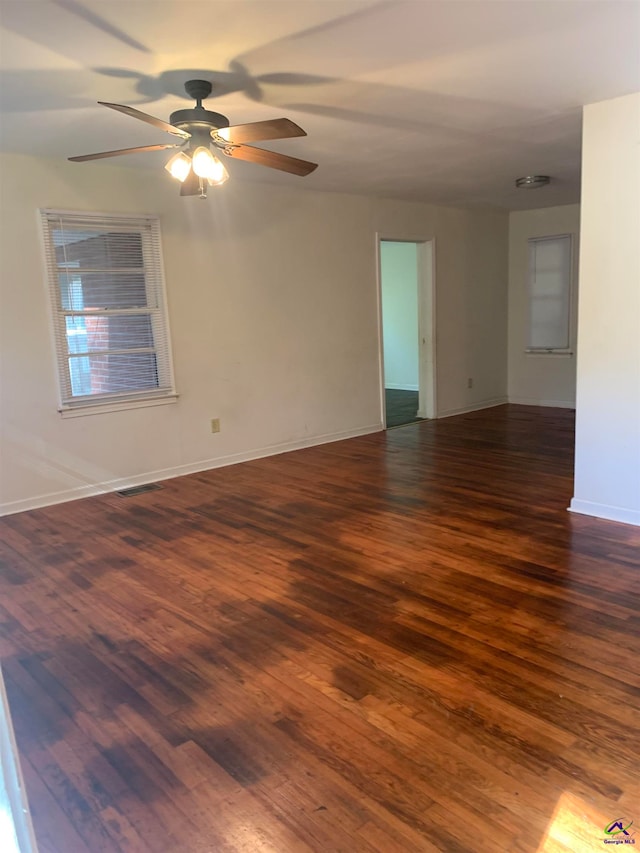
(555, 404)
(392, 386)
(93, 489)
(610, 513)
(475, 407)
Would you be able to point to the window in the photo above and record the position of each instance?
(549, 294)
(108, 306)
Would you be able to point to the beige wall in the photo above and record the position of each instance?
(471, 308)
(607, 472)
(274, 321)
(536, 378)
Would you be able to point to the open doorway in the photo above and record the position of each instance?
(407, 339)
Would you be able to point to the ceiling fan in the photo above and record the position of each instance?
(196, 166)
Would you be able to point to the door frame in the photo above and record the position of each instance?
(427, 375)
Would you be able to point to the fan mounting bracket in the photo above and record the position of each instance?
(198, 89)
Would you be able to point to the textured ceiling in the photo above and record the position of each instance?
(444, 101)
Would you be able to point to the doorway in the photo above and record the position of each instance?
(407, 336)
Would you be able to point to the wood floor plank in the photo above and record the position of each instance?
(400, 642)
(56, 831)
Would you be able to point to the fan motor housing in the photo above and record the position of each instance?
(198, 117)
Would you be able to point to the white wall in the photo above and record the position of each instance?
(607, 472)
(399, 280)
(538, 378)
(471, 309)
(273, 304)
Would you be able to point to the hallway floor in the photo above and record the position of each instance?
(401, 407)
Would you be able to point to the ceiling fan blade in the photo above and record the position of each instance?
(190, 185)
(119, 151)
(271, 159)
(156, 122)
(277, 128)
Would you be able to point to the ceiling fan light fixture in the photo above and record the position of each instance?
(195, 166)
(532, 181)
(179, 166)
(220, 174)
(204, 163)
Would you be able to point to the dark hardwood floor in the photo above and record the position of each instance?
(401, 407)
(401, 642)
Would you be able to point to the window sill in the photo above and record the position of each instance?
(115, 406)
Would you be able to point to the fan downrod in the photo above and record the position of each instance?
(197, 118)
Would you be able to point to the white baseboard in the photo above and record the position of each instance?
(475, 407)
(610, 513)
(530, 401)
(93, 489)
(393, 386)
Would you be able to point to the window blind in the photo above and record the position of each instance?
(106, 289)
(549, 293)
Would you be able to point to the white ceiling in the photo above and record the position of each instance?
(444, 101)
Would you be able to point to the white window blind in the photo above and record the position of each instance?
(549, 293)
(108, 306)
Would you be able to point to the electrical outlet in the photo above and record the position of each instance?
(470, 382)
(215, 424)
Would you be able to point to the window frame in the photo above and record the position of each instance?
(567, 350)
(148, 227)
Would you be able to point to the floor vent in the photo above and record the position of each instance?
(138, 490)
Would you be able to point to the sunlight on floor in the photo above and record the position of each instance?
(578, 826)
(16, 832)
(8, 839)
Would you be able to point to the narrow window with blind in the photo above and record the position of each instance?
(549, 294)
(108, 307)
